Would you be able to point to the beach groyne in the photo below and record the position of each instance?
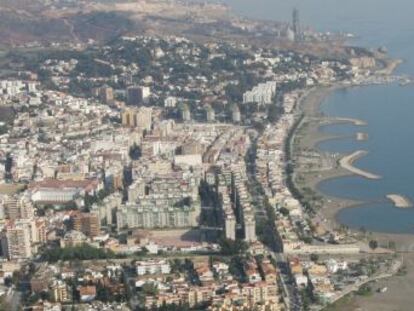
(347, 163)
(361, 136)
(400, 201)
(354, 121)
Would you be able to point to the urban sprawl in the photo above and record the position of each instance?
(153, 173)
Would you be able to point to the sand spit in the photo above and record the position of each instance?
(347, 163)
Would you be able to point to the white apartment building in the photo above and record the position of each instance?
(153, 267)
(262, 94)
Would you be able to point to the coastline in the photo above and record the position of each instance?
(400, 243)
(313, 120)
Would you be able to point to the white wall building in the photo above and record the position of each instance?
(262, 94)
(153, 267)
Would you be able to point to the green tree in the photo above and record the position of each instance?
(230, 247)
(284, 211)
(135, 152)
(81, 252)
(373, 244)
(274, 113)
(150, 289)
(314, 257)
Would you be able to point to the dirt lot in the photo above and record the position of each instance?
(10, 188)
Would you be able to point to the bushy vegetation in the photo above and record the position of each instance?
(81, 252)
(230, 247)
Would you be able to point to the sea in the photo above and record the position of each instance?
(387, 109)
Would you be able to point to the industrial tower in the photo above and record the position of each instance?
(296, 24)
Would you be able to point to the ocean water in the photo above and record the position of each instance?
(388, 109)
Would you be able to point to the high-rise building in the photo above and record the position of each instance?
(230, 227)
(39, 234)
(59, 291)
(15, 241)
(235, 114)
(138, 95)
(151, 215)
(185, 113)
(137, 189)
(138, 117)
(168, 201)
(106, 94)
(170, 102)
(87, 223)
(16, 207)
(262, 94)
(296, 23)
(249, 228)
(210, 114)
(107, 208)
(128, 118)
(144, 118)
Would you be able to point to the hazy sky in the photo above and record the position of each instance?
(377, 23)
(323, 12)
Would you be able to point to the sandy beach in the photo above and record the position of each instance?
(306, 138)
(309, 137)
